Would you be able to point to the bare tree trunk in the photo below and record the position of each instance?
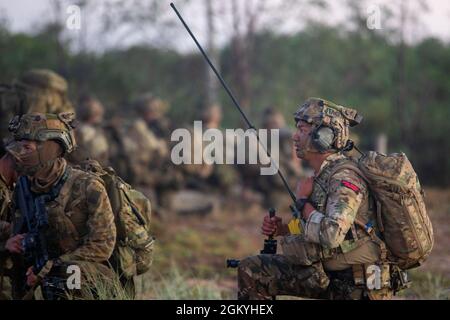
(400, 95)
(381, 143)
(241, 72)
(212, 84)
(57, 29)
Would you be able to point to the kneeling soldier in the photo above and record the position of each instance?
(64, 213)
(331, 257)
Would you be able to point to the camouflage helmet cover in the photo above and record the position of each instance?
(320, 112)
(43, 91)
(42, 79)
(42, 127)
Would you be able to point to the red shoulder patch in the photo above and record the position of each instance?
(350, 185)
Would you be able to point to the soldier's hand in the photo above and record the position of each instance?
(307, 211)
(14, 244)
(305, 187)
(31, 277)
(273, 226)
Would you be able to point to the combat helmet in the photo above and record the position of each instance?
(330, 123)
(42, 79)
(44, 91)
(42, 127)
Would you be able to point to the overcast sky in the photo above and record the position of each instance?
(28, 15)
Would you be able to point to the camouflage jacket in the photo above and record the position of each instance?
(81, 221)
(91, 144)
(5, 199)
(146, 152)
(339, 196)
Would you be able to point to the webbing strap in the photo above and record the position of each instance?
(368, 228)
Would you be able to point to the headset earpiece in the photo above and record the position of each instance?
(323, 138)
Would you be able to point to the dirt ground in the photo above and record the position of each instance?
(438, 206)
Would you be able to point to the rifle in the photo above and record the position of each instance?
(34, 223)
(269, 244)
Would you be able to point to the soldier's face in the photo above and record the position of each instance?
(301, 138)
(26, 146)
(25, 153)
(97, 113)
(151, 115)
(31, 156)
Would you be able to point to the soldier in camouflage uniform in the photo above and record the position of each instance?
(92, 142)
(149, 135)
(8, 244)
(147, 146)
(150, 149)
(37, 90)
(81, 229)
(152, 110)
(330, 257)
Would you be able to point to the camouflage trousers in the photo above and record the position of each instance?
(263, 276)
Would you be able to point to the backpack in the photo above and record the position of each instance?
(133, 252)
(402, 218)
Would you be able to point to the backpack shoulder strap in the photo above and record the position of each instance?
(115, 198)
(348, 164)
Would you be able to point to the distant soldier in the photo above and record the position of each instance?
(90, 135)
(37, 90)
(120, 158)
(79, 223)
(329, 258)
(146, 145)
(152, 110)
(150, 134)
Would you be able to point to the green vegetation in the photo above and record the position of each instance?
(356, 68)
